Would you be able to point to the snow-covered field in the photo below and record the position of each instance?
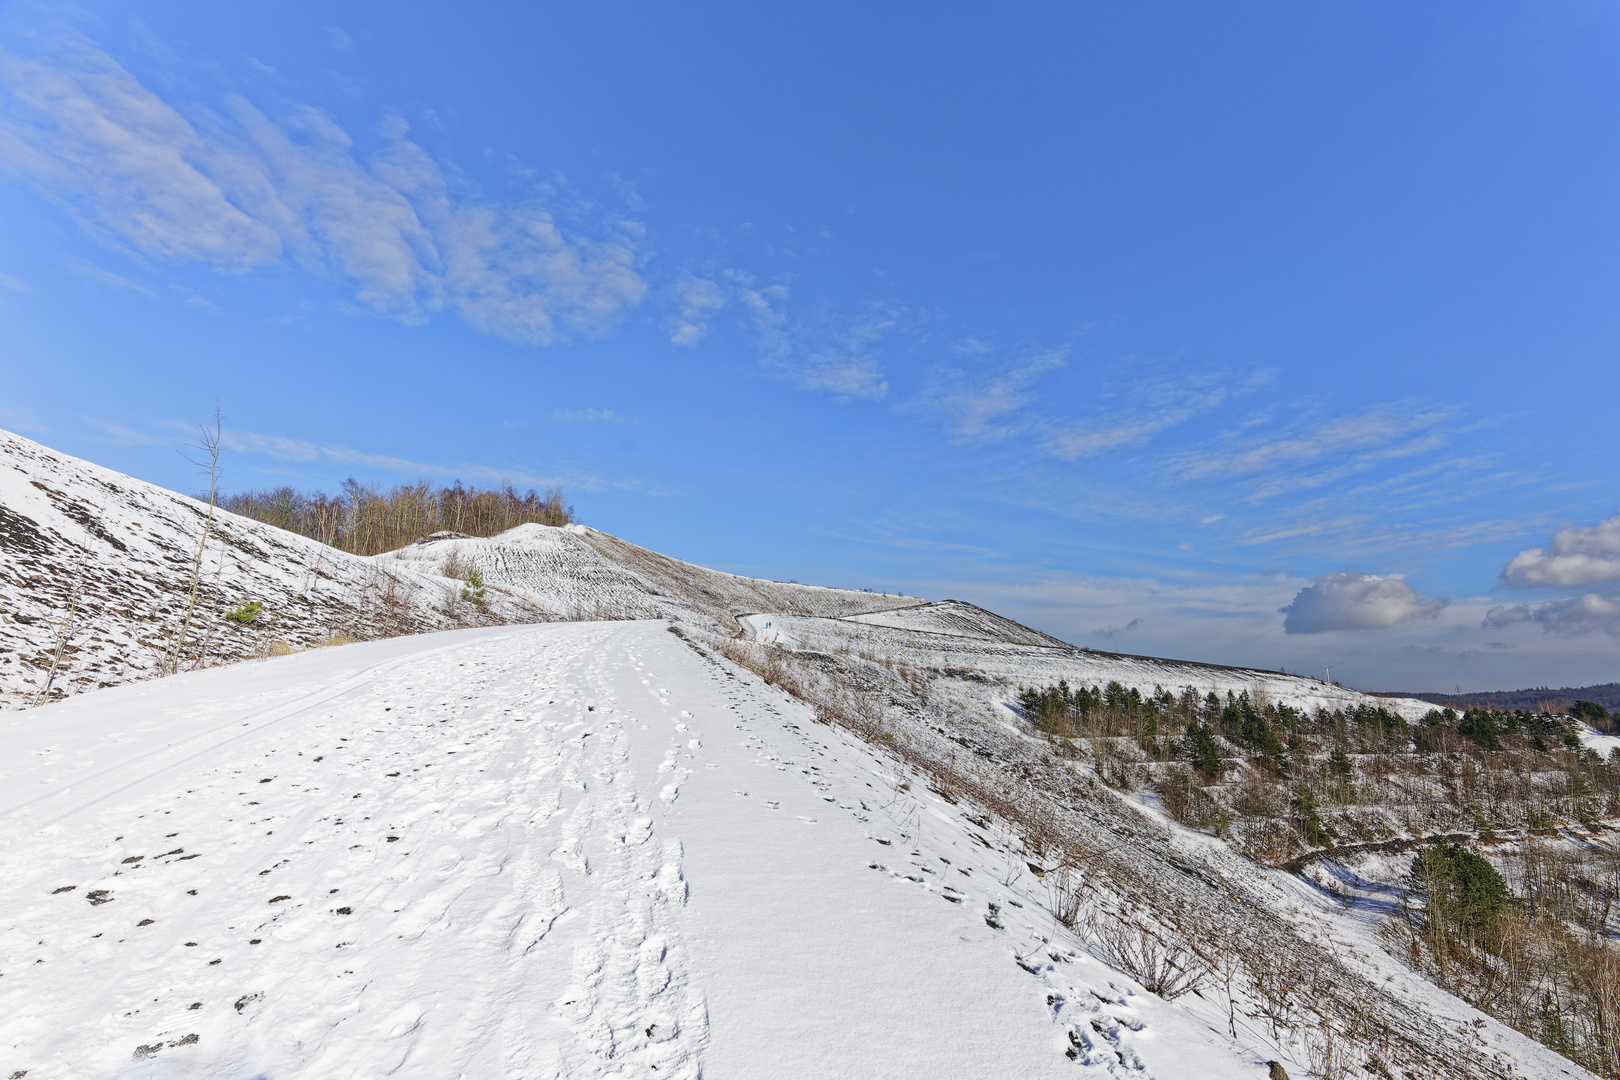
(575, 849)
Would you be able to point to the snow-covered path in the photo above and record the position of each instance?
(575, 850)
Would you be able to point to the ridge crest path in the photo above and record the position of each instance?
(576, 849)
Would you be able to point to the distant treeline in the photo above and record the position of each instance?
(366, 519)
(1535, 699)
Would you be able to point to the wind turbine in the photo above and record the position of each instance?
(1327, 670)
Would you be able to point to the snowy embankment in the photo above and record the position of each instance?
(96, 571)
(952, 635)
(563, 850)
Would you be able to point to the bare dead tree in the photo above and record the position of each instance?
(64, 627)
(208, 446)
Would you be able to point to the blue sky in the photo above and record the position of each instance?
(1270, 334)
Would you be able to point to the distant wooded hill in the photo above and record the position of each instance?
(1533, 700)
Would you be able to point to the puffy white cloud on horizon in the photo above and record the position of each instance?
(1353, 601)
(239, 191)
(1578, 615)
(1576, 556)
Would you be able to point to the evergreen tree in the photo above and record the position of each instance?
(1203, 751)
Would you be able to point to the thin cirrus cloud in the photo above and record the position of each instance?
(1576, 556)
(1156, 406)
(697, 299)
(1354, 601)
(283, 448)
(986, 409)
(1578, 615)
(236, 190)
(1315, 454)
(834, 353)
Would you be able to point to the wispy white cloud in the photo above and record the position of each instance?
(9, 282)
(1352, 601)
(602, 416)
(119, 435)
(696, 300)
(1576, 556)
(832, 353)
(1320, 452)
(983, 409)
(1587, 614)
(1150, 406)
(106, 277)
(237, 190)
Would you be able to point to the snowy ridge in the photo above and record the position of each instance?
(597, 849)
(112, 556)
(576, 569)
(578, 850)
(952, 635)
(126, 547)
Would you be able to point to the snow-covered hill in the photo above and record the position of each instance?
(573, 850)
(95, 569)
(579, 850)
(98, 565)
(610, 848)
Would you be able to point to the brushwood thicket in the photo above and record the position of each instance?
(1511, 894)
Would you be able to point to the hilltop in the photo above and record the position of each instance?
(631, 816)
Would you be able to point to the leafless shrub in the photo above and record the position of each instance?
(1167, 968)
(455, 565)
(65, 628)
(1066, 897)
(598, 611)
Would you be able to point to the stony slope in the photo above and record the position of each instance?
(105, 561)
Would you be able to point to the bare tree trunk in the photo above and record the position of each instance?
(64, 629)
(210, 441)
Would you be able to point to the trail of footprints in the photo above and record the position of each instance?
(1096, 1026)
(630, 1004)
(489, 795)
(437, 797)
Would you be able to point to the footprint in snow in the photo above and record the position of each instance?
(807, 820)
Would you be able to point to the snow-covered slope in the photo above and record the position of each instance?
(106, 560)
(574, 850)
(576, 570)
(565, 850)
(1005, 656)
